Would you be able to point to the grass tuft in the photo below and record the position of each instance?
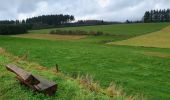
(114, 90)
(87, 82)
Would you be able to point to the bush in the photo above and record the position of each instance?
(52, 32)
(99, 33)
(12, 29)
(76, 32)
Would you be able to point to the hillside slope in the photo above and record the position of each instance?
(136, 69)
(68, 88)
(116, 29)
(159, 39)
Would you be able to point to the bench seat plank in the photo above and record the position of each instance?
(44, 84)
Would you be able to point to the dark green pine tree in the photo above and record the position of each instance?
(146, 17)
(157, 16)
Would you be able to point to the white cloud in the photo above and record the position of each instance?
(103, 3)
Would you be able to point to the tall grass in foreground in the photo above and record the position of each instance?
(113, 90)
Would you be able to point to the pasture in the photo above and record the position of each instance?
(138, 70)
(159, 39)
(118, 29)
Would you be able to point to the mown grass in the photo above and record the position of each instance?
(117, 29)
(126, 66)
(159, 39)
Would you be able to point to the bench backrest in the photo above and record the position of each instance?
(25, 76)
(34, 82)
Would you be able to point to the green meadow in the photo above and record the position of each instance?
(117, 29)
(159, 39)
(68, 88)
(138, 70)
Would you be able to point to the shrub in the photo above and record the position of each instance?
(52, 32)
(99, 33)
(76, 32)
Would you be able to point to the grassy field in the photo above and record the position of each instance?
(159, 39)
(117, 29)
(51, 37)
(136, 69)
(68, 88)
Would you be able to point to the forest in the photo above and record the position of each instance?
(8, 27)
(157, 16)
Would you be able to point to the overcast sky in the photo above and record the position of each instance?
(110, 10)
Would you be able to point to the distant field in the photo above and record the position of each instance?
(117, 29)
(51, 37)
(159, 39)
(137, 69)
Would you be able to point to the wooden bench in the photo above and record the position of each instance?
(34, 82)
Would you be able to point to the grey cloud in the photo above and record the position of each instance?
(117, 10)
(27, 6)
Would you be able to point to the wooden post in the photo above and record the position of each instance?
(57, 69)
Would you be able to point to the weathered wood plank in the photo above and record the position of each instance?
(46, 86)
(34, 82)
(26, 76)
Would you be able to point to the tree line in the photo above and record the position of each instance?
(12, 29)
(50, 19)
(44, 19)
(16, 26)
(157, 16)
